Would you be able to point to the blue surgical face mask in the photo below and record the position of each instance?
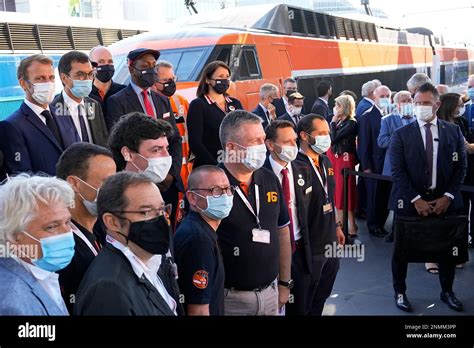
(81, 88)
(57, 251)
(217, 208)
(384, 103)
(470, 93)
(406, 109)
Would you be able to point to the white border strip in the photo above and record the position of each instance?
(356, 70)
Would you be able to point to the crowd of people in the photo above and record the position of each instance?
(128, 200)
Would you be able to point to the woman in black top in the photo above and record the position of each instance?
(207, 111)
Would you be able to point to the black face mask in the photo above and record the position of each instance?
(150, 235)
(105, 72)
(288, 93)
(146, 77)
(221, 86)
(169, 88)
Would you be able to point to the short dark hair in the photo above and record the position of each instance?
(131, 130)
(323, 88)
(233, 121)
(65, 62)
(305, 124)
(22, 71)
(195, 175)
(76, 158)
(428, 87)
(111, 198)
(209, 69)
(272, 128)
(290, 80)
(449, 103)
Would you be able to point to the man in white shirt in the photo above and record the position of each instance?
(35, 230)
(132, 274)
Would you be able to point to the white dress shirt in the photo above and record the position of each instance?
(285, 101)
(37, 110)
(266, 112)
(148, 269)
(48, 281)
(72, 106)
(277, 168)
(138, 90)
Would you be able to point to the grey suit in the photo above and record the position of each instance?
(22, 294)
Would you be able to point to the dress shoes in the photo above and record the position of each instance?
(451, 300)
(389, 238)
(376, 233)
(401, 301)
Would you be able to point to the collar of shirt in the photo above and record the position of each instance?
(421, 124)
(71, 104)
(36, 108)
(369, 100)
(195, 216)
(38, 273)
(265, 110)
(138, 90)
(315, 160)
(277, 167)
(324, 100)
(212, 101)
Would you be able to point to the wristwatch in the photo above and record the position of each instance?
(289, 284)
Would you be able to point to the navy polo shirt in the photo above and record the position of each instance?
(251, 265)
(200, 266)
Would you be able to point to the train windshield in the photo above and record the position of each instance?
(188, 63)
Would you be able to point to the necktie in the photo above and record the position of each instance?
(52, 126)
(268, 117)
(429, 153)
(297, 119)
(82, 122)
(285, 184)
(148, 107)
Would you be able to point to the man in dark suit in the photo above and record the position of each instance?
(320, 106)
(295, 106)
(76, 72)
(138, 234)
(324, 233)
(265, 109)
(281, 104)
(295, 178)
(429, 162)
(371, 157)
(368, 97)
(33, 138)
(103, 86)
(139, 97)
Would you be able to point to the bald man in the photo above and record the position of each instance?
(103, 86)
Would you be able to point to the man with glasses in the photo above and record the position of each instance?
(199, 259)
(281, 104)
(131, 275)
(77, 73)
(33, 137)
(85, 167)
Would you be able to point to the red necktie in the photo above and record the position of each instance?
(285, 184)
(148, 107)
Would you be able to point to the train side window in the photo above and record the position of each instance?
(249, 66)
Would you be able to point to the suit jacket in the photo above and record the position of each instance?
(370, 154)
(29, 146)
(94, 116)
(110, 287)
(409, 165)
(300, 170)
(388, 126)
(469, 116)
(22, 294)
(126, 101)
(286, 116)
(321, 108)
(279, 105)
(261, 113)
(362, 107)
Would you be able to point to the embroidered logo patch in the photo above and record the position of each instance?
(201, 279)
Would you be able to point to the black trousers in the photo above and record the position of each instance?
(297, 305)
(378, 195)
(323, 276)
(468, 201)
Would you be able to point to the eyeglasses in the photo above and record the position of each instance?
(216, 192)
(83, 76)
(149, 215)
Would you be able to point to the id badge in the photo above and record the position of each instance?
(327, 208)
(260, 236)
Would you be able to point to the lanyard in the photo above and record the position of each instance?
(248, 205)
(78, 233)
(325, 186)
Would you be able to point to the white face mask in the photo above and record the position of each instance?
(91, 206)
(322, 143)
(296, 110)
(255, 157)
(157, 168)
(423, 112)
(288, 153)
(462, 110)
(43, 93)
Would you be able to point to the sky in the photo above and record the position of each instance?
(452, 18)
